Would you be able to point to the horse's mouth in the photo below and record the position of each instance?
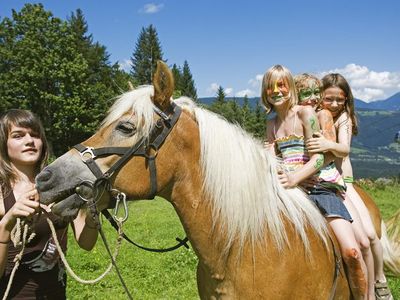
(67, 202)
(69, 207)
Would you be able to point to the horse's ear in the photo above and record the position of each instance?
(163, 82)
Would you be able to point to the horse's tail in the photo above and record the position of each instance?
(390, 241)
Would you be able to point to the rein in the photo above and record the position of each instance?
(143, 148)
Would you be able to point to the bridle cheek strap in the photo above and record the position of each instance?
(141, 148)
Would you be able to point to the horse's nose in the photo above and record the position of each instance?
(43, 176)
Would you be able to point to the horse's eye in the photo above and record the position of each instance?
(126, 128)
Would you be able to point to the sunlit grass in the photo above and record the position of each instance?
(168, 275)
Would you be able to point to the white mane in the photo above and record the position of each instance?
(239, 176)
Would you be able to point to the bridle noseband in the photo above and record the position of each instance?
(157, 136)
(143, 148)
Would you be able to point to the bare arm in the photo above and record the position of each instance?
(344, 135)
(269, 143)
(85, 230)
(328, 143)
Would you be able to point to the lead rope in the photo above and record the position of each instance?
(68, 267)
(16, 235)
(95, 217)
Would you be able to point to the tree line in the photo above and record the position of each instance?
(54, 68)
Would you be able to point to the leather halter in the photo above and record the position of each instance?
(142, 148)
(157, 136)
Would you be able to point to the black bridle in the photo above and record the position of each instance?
(146, 147)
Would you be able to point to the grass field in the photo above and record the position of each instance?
(168, 275)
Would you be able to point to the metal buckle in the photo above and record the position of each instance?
(88, 150)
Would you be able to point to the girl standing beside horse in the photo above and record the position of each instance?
(23, 153)
(287, 133)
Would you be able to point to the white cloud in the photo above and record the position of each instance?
(151, 8)
(213, 88)
(245, 92)
(125, 65)
(368, 94)
(369, 85)
(228, 91)
(256, 82)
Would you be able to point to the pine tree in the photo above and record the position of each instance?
(260, 125)
(176, 72)
(52, 67)
(220, 99)
(186, 83)
(147, 53)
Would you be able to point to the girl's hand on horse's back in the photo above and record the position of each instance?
(286, 180)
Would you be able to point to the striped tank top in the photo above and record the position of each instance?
(294, 154)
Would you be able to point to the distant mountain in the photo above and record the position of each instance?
(359, 104)
(392, 103)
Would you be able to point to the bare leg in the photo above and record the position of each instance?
(357, 271)
(376, 246)
(363, 241)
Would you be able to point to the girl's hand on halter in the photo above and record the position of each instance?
(26, 206)
(318, 143)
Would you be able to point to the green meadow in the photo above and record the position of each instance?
(166, 275)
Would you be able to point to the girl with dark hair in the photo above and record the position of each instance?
(23, 153)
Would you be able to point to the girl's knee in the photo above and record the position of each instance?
(371, 235)
(351, 254)
(364, 244)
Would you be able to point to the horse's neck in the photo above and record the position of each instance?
(195, 213)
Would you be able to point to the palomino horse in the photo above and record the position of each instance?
(253, 238)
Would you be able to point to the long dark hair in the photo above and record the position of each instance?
(20, 118)
(337, 80)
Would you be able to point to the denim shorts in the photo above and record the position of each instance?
(329, 204)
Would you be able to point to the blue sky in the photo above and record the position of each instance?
(232, 43)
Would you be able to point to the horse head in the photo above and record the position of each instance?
(123, 155)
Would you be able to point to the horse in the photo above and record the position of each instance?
(253, 238)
